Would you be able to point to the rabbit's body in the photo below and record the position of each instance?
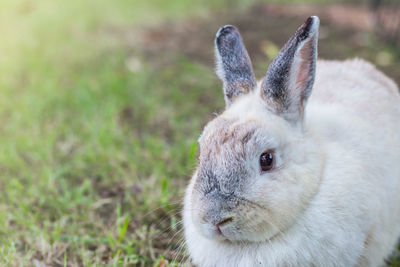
(334, 198)
(355, 109)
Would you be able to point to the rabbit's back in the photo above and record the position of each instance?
(357, 87)
(355, 105)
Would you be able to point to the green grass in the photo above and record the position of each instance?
(95, 153)
(93, 157)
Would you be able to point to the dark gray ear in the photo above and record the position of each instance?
(290, 77)
(233, 63)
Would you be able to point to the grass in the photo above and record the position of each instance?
(93, 156)
(96, 144)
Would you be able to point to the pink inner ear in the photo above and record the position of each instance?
(304, 73)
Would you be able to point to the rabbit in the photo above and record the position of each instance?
(290, 178)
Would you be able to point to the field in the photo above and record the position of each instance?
(101, 105)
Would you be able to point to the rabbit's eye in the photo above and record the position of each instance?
(267, 161)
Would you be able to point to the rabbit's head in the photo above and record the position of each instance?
(258, 167)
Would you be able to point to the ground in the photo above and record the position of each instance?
(101, 104)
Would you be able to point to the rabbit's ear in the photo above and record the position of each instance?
(233, 63)
(290, 77)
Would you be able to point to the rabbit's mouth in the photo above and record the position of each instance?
(231, 234)
(232, 218)
(235, 229)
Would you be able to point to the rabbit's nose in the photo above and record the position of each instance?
(224, 221)
(221, 223)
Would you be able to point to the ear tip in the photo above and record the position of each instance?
(314, 18)
(225, 30)
(312, 23)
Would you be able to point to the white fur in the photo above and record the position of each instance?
(352, 217)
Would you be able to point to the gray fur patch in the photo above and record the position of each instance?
(233, 63)
(222, 168)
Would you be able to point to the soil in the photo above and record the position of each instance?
(346, 31)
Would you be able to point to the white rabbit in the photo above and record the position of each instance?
(280, 183)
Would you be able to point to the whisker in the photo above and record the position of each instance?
(182, 244)
(162, 206)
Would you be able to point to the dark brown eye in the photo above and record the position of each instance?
(267, 161)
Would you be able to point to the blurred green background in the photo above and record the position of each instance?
(101, 104)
